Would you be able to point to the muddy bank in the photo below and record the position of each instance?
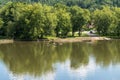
(79, 39)
(6, 41)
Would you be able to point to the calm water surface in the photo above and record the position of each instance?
(68, 61)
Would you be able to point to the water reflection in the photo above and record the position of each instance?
(106, 53)
(39, 58)
(33, 58)
(79, 55)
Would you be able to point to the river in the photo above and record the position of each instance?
(99, 60)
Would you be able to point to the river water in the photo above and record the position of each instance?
(99, 60)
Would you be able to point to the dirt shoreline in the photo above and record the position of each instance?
(80, 39)
(62, 40)
(6, 41)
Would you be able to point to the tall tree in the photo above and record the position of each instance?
(64, 21)
(103, 20)
(79, 18)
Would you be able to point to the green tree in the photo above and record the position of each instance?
(30, 25)
(10, 14)
(103, 19)
(50, 21)
(1, 22)
(79, 18)
(63, 22)
(116, 27)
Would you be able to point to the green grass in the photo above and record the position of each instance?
(84, 35)
(51, 37)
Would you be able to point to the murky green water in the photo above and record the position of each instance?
(69, 61)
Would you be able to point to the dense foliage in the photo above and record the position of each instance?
(34, 21)
(107, 21)
(91, 4)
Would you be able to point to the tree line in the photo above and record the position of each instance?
(35, 20)
(91, 4)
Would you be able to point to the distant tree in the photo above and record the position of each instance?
(88, 4)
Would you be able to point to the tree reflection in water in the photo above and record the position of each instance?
(37, 58)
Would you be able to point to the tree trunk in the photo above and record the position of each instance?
(41, 36)
(57, 34)
(73, 32)
(79, 33)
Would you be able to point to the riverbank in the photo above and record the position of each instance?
(79, 39)
(6, 41)
(62, 40)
